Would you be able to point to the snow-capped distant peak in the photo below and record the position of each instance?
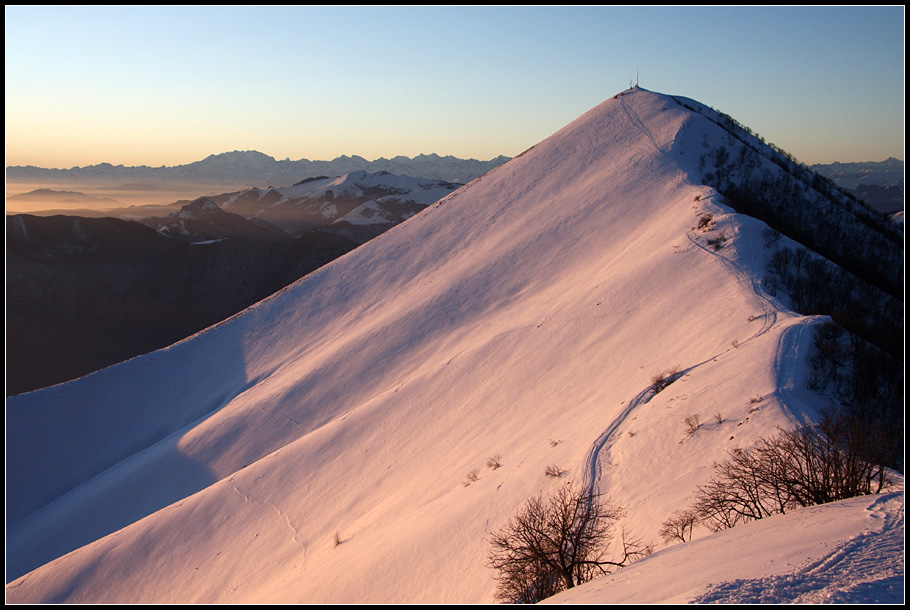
(203, 205)
(319, 201)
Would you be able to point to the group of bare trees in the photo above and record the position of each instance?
(864, 378)
(555, 544)
(837, 458)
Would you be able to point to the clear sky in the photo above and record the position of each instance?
(172, 85)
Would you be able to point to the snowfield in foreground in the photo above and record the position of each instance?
(317, 447)
(847, 552)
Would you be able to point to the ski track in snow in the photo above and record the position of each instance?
(594, 470)
(748, 281)
(855, 571)
(868, 568)
(636, 121)
(788, 356)
(786, 363)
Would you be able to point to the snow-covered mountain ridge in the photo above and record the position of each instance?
(202, 220)
(323, 200)
(314, 447)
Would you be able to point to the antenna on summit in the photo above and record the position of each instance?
(636, 79)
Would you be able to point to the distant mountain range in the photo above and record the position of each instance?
(889, 172)
(64, 199)
(255, 168)
(878, 183)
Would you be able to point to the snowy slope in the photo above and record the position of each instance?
(523, 315)
(845, 552)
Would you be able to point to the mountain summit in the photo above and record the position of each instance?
(327, 445)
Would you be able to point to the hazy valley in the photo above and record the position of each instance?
(216, 174)
(85, 293)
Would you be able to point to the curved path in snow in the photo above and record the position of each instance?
(593, 470)
(786, 363)
(790, 345)
(748, 281)
(636, 121)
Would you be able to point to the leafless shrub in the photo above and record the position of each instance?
(337, 539)
(679, 526)
(661, 380)
(494, 462)
(553, 545)
(554, 471)
(471, 477)
(718, 418)
(705, 222)
(553, 443)
(692, 423)
(718, 242)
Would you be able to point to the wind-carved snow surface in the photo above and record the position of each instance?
(314, 447)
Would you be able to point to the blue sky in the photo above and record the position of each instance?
(171, 85)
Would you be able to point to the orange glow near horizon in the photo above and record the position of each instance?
(170, 85)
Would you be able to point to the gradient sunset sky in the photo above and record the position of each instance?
(172, 85)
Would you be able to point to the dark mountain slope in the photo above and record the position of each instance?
(85, 293)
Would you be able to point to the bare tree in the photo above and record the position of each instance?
(748, 486)
(553, 545)
(679, 526)
(839, 457)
